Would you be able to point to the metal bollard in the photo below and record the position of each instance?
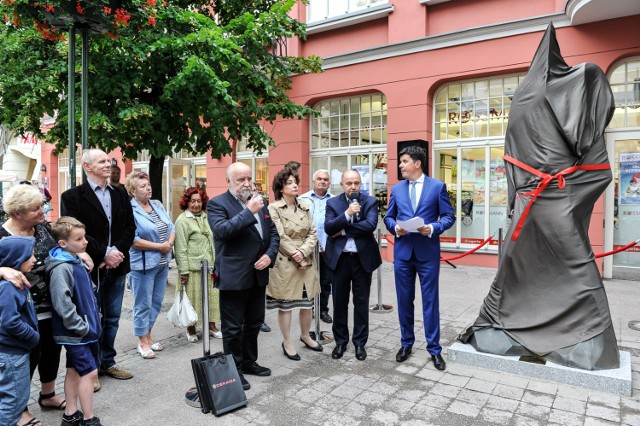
(322, 337)
(499, 246)
(380, 308)
(204, 279)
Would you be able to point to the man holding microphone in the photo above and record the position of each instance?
(352, 253)
(246, 244)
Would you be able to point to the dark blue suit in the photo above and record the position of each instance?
(417, 254)
(352, 272)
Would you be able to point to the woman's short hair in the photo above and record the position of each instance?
(131, 181)
(280, 180)
(18, 198)
(188, 193)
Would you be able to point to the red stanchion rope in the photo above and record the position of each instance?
(544, 183)
(618, 250)
(476, 248)
(484, 243)
(446, 259)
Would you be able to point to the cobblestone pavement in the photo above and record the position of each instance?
(321, 391)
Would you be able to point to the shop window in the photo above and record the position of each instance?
(470, 121)
(319, 10)
(474, 109)
(625, 84)
(259, 166)
(351, 133)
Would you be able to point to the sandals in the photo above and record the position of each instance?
(146, 354)
(157, 347)
(43, 406)
(33, 422)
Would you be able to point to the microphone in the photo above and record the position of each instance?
(353, 199)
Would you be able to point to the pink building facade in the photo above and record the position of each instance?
(442, 72)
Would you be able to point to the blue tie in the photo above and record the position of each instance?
(412, 195)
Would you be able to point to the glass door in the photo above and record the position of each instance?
(176, 179)
(622, 211)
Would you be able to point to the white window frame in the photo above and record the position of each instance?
(339, 13)
(462, 142)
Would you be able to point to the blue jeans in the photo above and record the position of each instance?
(148, 292)
(110, 294)
(15, 385)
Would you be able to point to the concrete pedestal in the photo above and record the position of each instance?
(616, 381)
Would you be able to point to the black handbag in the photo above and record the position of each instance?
(217, 379)
(218, 383)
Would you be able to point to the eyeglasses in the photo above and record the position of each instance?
(142, 175)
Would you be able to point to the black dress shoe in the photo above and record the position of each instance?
(361, 354)
(438, 362)
(326, 317)
(318, 347)
(403, 353)
(294, 357)
(265, 328)
(256, 369)
(245, 384)
(338, 351)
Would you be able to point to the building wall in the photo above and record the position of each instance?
(411, 52)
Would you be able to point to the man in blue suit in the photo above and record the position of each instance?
(352, 253)
(418, 252)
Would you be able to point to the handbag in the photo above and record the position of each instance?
(182, 313)
(218, 383)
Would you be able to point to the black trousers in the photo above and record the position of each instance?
(326, 277)
(242, 312)
(350, 277)
(46, 356)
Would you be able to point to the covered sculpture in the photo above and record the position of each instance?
(547, 299)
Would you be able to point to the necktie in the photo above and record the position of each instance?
(412, 195)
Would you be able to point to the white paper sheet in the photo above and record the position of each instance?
(412, 224)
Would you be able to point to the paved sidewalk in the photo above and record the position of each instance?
(378, 391)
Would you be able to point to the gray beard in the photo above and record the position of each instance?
(243, 195)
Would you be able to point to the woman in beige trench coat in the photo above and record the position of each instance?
(293, 282)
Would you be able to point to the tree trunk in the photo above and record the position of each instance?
(156, 168)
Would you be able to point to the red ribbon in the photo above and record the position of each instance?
(544, 183)
(618, 250)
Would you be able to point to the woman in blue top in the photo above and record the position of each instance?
(150, 255)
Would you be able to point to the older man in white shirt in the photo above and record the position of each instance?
(317, 198)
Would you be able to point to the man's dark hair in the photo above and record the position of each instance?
(416, 153)
(294, 166)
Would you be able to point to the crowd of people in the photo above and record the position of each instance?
(62, 284)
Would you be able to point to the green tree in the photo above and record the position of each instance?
(200, 78)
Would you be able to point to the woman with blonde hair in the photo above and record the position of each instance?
(150, 255)
(24, 204)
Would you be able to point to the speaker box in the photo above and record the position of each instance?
(419, 143)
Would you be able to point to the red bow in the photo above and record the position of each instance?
(266, 216)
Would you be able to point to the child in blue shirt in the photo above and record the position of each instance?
(18, 330)
(75, 319)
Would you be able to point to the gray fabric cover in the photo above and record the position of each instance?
(548, 299)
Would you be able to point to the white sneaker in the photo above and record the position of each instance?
(192, 338)
(216, 334)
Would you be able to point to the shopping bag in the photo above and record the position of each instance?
(218, 383)
(182, 313)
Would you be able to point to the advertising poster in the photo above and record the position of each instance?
(629, 178)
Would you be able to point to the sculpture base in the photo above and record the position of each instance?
(617, 381)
